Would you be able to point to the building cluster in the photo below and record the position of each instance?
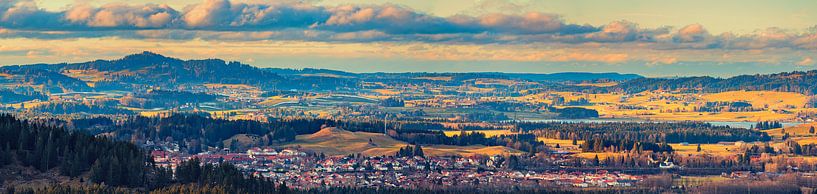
(301, 170)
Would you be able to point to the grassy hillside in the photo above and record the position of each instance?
(334, 141)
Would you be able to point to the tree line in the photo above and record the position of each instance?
(653, 132)
(45, 147)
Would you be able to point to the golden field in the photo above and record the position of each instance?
(795, 131)
(334, 141)
(713, 149)
(389, 92)
(488, 133)
(565, 144)
(271, 101)
(760, 99)
(656, 105)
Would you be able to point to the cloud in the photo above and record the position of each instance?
(223, 15)
(691, 33)
(619, 31)
(121, 16)
(303, 20)
(807, 61)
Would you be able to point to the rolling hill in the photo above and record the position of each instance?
(333, 141)
(155, 70)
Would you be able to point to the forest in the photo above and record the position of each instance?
(652, 132)
(46, 147)
(9, 96)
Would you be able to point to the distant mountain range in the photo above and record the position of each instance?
(151, 69)
(553, 77)
(798, 81)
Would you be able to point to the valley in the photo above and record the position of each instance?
(591, 121)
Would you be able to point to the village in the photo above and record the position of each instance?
(301, 170)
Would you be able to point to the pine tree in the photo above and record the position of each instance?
(418, 151)
(98, 172)
(596, 161)
(283, 189)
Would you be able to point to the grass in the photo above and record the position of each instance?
(333, 141)
(154, 113)
(795, 131)
(723, 116)
(243, 139)
(488, 133)
(760, 99)
(693, 181)
(29, 104)
(564, 144)
(271, 101)
(86, 75)
(388, 92)
(713, 149)
(657, 105)
(806, 140)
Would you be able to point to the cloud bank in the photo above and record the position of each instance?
(232, 21)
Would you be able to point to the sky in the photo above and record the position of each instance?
(653, 38)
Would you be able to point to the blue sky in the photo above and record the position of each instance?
(653, 38)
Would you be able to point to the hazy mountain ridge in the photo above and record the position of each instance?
(550, 77)
(153, 69)
(157, 70)
(797, 81)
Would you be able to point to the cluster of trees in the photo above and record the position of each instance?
(578, 102)
(46, 147)
(410, 151)
(223, 174)
(486, 116)
(112, 163)
(524, 142)
(601, 145)
(812, 102)
(79, 107)
(510, 106)
(283, 93)
(392, 102)
(59, 189)
(165, 99)
(195, 130)
(8, 96)
(51, 81)
(763, 125)
(806, 150)
(652, 132)
(205, 130)
(576, 113)
(720, 106)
